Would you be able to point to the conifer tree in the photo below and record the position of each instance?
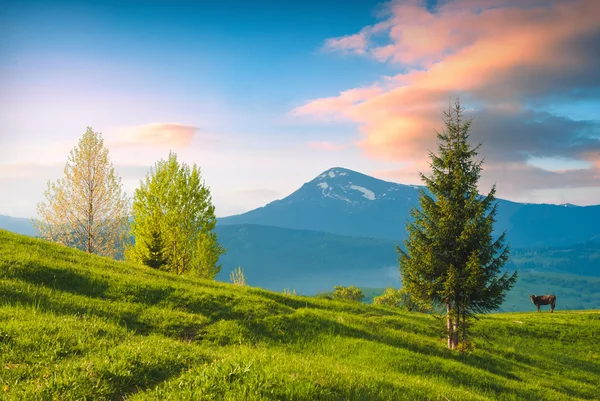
(452, 258)
(156, 251)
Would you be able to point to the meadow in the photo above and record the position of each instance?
(75, 326)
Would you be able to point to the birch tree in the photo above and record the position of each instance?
(86, 208)
(175, 205)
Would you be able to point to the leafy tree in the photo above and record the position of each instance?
(349, 293)
(451, 258)
(173, 210)
(86, 209)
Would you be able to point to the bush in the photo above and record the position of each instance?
(390, 297)
(349, 293)
(402, 299)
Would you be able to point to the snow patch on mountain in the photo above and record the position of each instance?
(367, 193)
(323, 185)
(340, 197)
(331, 174)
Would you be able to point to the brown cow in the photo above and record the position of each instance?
(544, 300)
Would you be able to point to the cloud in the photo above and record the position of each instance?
(337, 105)
(356, 43)
(326, 145)
(507, 60)
(164, 135)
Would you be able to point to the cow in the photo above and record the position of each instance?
(544, 300)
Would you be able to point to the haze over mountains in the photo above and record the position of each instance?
(341, 228)
(17, 225)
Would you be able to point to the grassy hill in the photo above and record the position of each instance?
(75, 326)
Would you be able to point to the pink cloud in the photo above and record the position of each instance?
(166, 135)
(337, 105)
(495, 54)
(356, 43)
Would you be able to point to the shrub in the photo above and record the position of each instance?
(390, 297)
(350, 293)
(402, 299)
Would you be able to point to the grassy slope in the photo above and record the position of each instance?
(74, 326)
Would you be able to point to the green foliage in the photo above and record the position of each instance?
(75, 326)
(156, 258)
(401, 298)
(451, 258)
(172, 210)
(237, 276)
(390, 297)
(348, 293)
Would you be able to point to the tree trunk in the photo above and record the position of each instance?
(456, 323)
(450, 324)
(455, 332)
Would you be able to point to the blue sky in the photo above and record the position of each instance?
(270, 93)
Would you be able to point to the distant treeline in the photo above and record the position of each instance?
(582, 259)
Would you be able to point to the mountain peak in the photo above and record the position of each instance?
(336, 172)
(349, 186)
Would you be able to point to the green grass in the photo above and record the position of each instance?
(81, 327)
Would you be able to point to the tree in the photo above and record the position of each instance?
(451, 257)
(87, 208)
(173, 221)
(351, 293)
(156, 251)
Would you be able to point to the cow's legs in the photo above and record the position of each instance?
(538, 308)
(551, 307)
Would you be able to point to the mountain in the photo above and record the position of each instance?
(345, 202)
(17, 225)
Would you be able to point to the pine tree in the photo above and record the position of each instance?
(87, 208)
(451, 257)
(156, 251)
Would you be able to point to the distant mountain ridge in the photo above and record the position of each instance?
(18, 225)
(345, 202)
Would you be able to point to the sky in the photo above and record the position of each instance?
(265, 95)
